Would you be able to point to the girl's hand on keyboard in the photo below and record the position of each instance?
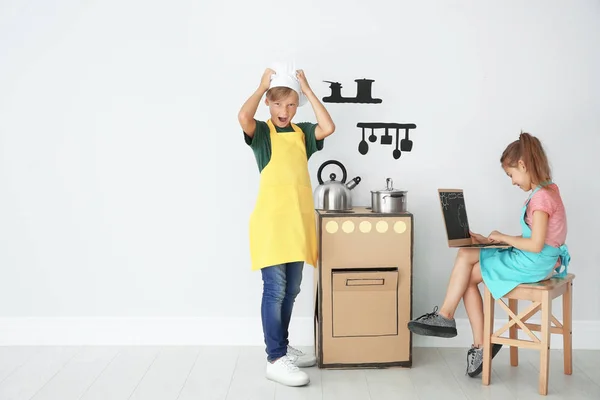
(496, 236)
(477, 238)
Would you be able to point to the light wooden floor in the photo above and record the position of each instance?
(232, 373)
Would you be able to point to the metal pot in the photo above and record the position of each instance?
(388, 200)
(334, 195)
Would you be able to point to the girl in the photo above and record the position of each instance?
(537, 254)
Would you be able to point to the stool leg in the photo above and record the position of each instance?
(488, 330)
(545, 342)
(514, 333)
(568, 329)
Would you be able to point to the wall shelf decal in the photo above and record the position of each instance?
(363, 93)
(386, 139)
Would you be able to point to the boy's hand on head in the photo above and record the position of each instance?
(303, 82)
(265, 81)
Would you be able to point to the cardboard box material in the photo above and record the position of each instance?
(363, 289)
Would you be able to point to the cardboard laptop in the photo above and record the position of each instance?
(454, 211)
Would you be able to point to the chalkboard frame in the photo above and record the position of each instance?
(463, 240)
(455, 239)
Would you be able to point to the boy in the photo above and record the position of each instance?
(282, 225)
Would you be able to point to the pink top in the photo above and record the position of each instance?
(548, 200)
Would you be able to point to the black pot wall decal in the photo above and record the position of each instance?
(363, 93)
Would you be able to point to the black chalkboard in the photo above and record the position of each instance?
(455, 214)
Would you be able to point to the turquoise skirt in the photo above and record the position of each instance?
(504, 269)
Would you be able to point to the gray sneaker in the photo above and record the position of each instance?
(433, 324)
(475, 359)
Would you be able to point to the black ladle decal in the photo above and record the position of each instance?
(363, 146)
(396, 153)
(372, 138)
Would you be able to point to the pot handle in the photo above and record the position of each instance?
(393, 196)
(326, 163)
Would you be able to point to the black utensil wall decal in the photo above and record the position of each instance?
(396, 153)
(386, 139)
(406, 144)
(363, 146)
(363, 93)
(372, 137)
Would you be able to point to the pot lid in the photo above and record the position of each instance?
(389, 188)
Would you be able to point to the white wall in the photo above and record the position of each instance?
(126, 186)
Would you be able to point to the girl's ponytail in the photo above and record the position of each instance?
(530, 150)
(535, 158)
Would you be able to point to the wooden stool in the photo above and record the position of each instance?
(541, 295)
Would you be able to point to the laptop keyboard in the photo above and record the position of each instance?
(484, 244)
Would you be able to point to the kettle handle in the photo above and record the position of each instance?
(326, 163)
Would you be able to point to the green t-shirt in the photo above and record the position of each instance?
(261, 142)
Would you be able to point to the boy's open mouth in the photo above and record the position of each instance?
(282, 120)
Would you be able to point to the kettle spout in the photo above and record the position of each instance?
(353, 182)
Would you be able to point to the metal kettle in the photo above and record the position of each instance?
(334, 195)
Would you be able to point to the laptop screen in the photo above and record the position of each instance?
(455, 214)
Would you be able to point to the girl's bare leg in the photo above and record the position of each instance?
(459, 280)
(441, 323)
(474, 305)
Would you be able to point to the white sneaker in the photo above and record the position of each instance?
(301, 359)
(285, 372)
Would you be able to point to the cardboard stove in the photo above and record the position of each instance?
(363, 289)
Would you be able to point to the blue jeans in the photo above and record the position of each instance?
(281, 285)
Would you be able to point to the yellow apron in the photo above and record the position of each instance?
(282, 225)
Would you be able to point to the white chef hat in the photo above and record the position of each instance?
(285, 75)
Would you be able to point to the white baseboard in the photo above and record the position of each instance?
(585, 335)
(212, 331)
